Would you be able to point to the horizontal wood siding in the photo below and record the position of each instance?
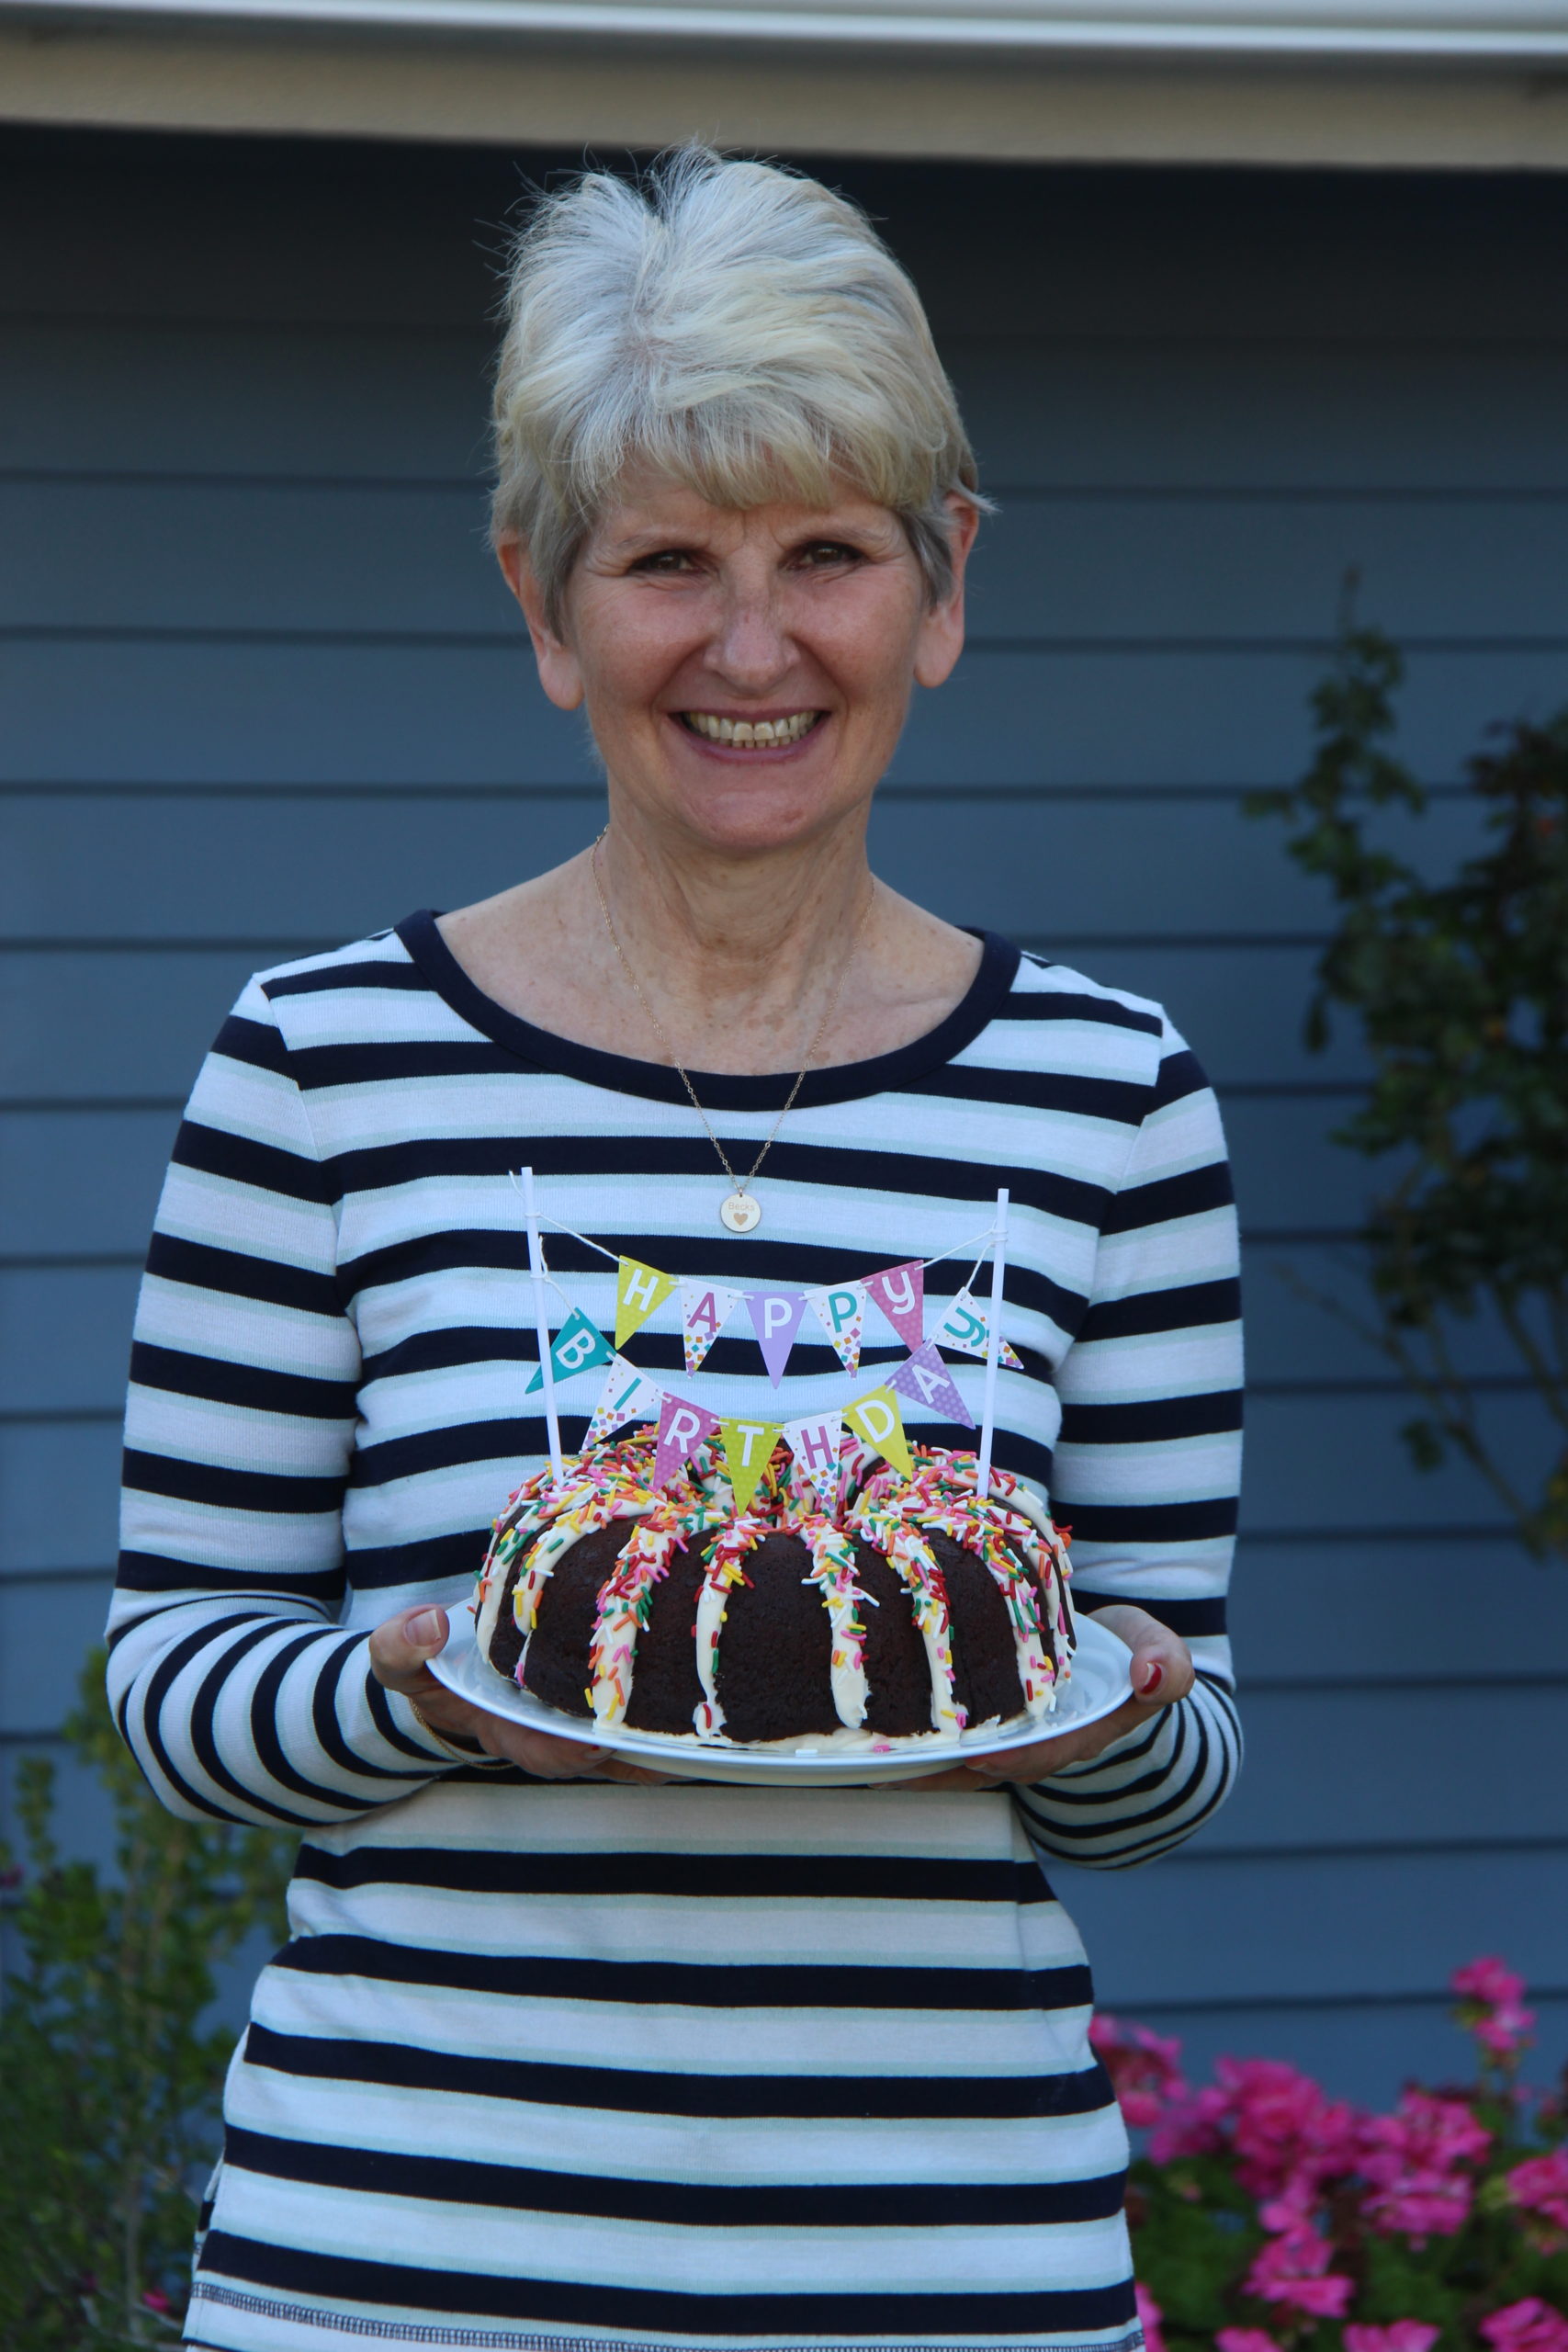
(262, 691)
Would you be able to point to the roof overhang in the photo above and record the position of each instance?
(1477, 82)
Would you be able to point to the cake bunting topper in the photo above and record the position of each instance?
(876, 1417)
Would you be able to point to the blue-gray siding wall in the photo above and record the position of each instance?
(261, 691)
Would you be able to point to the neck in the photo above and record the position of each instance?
(734, 948)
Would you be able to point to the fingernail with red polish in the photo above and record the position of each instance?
(1153, 1679)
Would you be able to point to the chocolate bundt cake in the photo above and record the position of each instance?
(916, 1611)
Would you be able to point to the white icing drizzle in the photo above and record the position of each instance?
(832, 1572)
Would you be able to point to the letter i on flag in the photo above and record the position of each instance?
(899, 1291)
(841, 1313)
(628, 1396)
(682, 1428)
(748, 1450)
(640, 1289)
(876, 1418)
(706, 1308)
(814, 1443)
(577, 1346)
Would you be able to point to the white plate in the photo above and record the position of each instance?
(1100, 1680)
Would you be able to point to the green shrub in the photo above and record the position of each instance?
(112, 2073)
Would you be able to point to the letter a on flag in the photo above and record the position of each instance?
(628, 1396)
(576, 1346)
(639, 1290)
(841, 1313)
(748, 1450)
(876, 1418)
(814, 1443)
(967, 1327)
(706, 1308)
(924, 1378)
(682, 1428)
(899, 1291)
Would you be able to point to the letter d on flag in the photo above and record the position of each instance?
(876, 1418)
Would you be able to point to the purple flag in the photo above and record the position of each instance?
(924, 1377)
(776, 1314)
(682, 1428)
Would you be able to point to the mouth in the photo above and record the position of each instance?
(751, 734)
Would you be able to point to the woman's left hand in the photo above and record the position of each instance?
(1161, 1672)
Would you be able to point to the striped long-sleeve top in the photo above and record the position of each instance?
(580, 2064)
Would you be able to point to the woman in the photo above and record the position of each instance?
(549, 2059)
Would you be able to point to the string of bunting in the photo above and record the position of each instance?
(775, 1316)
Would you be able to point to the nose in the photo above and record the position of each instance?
(751, 647)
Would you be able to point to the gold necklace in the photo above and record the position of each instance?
(740, 1211)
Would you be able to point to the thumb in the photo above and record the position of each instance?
(401, 1650)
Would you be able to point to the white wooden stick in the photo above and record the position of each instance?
(541, 1323)
(993, 1346)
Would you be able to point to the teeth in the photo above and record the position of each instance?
(752, 735)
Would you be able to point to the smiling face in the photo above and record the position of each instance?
(746, 672)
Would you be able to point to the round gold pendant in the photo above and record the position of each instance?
(740, 1213)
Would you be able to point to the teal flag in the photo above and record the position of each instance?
(576, 1346)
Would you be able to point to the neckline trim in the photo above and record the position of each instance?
(719, 1090)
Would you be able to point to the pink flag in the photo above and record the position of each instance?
(682, 1428)
(899, 1291)
(924, 1377)
(814, 1443)
(776, 1314)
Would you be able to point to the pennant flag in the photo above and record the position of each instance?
(748, 1449)
(841, 1313)
(576, 1346)
(776, 1314)
(814, 1443)
(706, 1308)
(640, 1289)
(876, 1418)
(899, 1291)
(628, 1396)
(924, 1377)
(967, 1327)
(682, 1428)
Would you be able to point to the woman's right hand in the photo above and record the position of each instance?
(400, 1652)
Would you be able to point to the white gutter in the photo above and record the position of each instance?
(1483, 32)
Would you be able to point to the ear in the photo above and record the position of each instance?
(940, 639)
(559, 672)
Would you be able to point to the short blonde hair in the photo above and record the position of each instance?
(740, 328)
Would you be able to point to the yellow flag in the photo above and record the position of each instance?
(748, 1450)
(876, 1418)
(639, 1290)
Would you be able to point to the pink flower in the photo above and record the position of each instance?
(1402, 2335)
(1492, 1998)
(1150, 2316)
(1292, 2269)
(1414, 2163)
(1540, 2186)
(1529, 2326)
(1145, 2068)
(1244, 2339)
(156, 2300)
(1278, 2122)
